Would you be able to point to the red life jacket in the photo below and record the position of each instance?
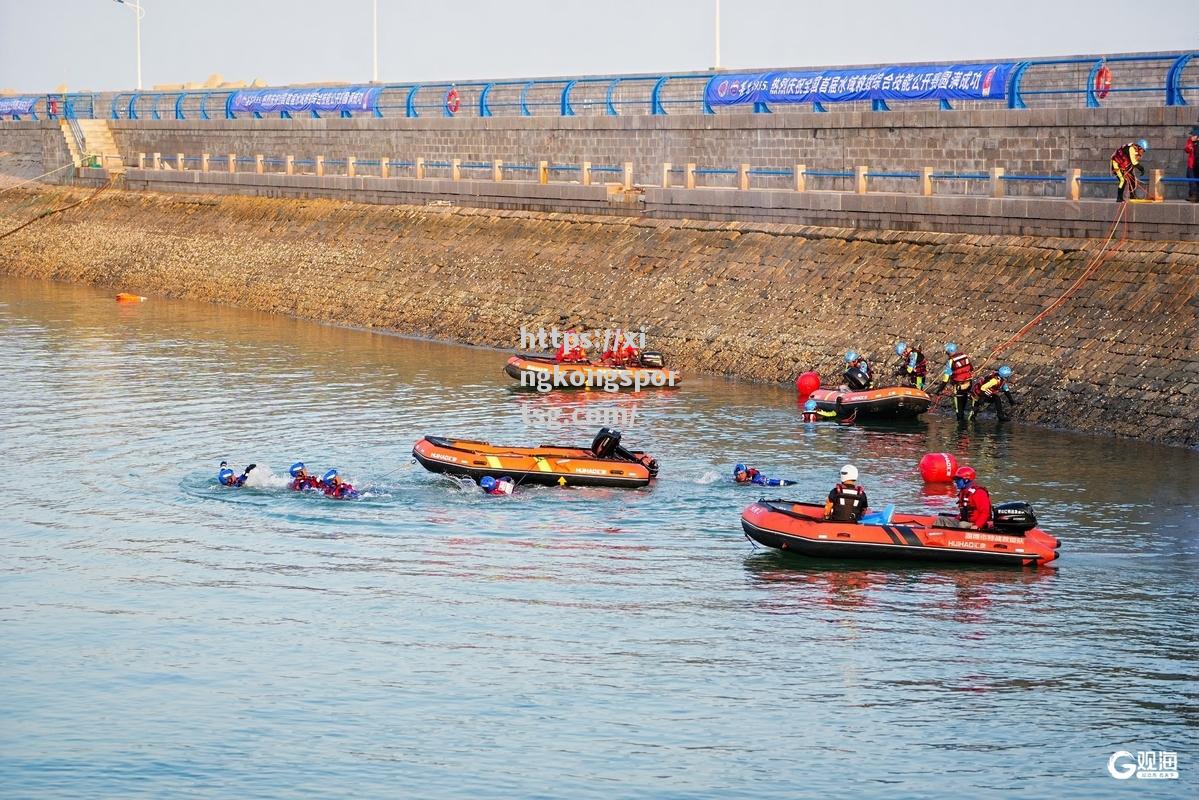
(960, 370)
(340, 490)
(750, 474)
(974, 503)
(921, 368)
(849, 502)
(1123, 157)
(979, 388)
(810, 416)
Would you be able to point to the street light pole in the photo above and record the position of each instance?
(717, 64)
(139, 12)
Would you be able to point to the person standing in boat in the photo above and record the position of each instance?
(974, 503)
(912, 365)
(847, 501)
(574, 354)
(813, 413)
(960, 373)
(744, 474)
(992, 389)
(858, 375)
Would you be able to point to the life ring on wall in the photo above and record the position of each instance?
(452, 101)
(1103, 82)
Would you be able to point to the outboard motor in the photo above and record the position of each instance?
(1013, 518)
(856, 379)
(605, 443)
(653, 359)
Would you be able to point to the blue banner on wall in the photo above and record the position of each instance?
(953, 82)
(354, 98)
(22, 106)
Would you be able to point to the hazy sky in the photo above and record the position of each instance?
(89, 44)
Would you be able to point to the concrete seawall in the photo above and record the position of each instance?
(762, 301)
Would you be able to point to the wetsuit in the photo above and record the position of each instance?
(756, 478)
(846, 503)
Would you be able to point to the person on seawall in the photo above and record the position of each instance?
(974, 503)
(812, 413)
(227, 477)
(847, 501)
(858, 375)
(490, 485)
(959, 372)
(744, 474)
(1127, 158)
(912, 365)
(992, 389)
(301, 480)
(1192, 151)
(336, 488)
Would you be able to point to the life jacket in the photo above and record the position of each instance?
(302, 482)
(849, 502)
(960, 370)
(340, 491)
(1125, 157)
(921, 367)
(988, 387)
(974, 506)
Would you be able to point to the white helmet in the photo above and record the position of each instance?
(849, 473)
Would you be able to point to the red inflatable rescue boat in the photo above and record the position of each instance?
(801, 528)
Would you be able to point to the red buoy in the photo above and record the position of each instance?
(938, 467)
(807, 383)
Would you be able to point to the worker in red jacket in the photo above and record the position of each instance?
(974, 501)
(1193, 166)
(1127, 158)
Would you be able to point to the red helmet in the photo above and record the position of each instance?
(965, 473)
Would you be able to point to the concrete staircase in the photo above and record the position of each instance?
(97, 141)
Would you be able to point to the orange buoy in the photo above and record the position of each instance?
(125, 297)
(938, 467)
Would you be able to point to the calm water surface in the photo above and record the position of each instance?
(164, 636)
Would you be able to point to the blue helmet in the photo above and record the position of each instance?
(225, 475)
(329, 476)
(296, 469)
(850, 356)
(1144, 145)
(739, 468)
(1005, 372)
(810, 405)
(487, 482)
(951, 348)
(900, 348)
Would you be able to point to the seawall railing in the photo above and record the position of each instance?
(996, 182)
(1137, 80)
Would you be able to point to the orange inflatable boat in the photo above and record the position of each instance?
(890, 401)
(801, 528)
(125, 297)
(605, 463)
(544, 373)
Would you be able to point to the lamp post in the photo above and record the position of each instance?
(717, 64)
(375, 40)
(139, 12)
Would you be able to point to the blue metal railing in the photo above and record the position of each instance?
(616, 95)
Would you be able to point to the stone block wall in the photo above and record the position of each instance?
(761, 301)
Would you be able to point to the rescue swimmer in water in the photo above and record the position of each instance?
(330, 484)
(749, 475)
(227, 477)
(814, 413)
(503, 486)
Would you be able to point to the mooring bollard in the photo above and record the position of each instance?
(289, 165)
(384, 166)
(543, 172)
(666, 166)
(628, 176)
(204, 162)
(926, 181)
(420, 169)
(1155, 185)
(497, 170)
(320, 166)
(859, 180)
(351, 166)
(259, 167)
(743, 177)
(586, 173)
(689, 176)
(231, 163)
(141, 160)
(1073, 184)
(180, 162)
(996, 181)
(156, 161)
(456, 169)
(800, 173)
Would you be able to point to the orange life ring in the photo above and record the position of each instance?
(452, 101)
(1103, 82)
